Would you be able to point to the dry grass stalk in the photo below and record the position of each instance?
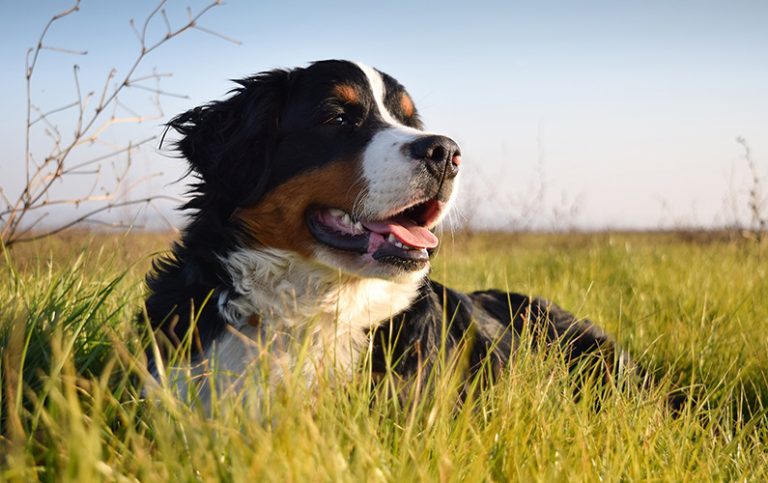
(755, 199)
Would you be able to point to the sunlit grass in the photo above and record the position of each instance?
(693, 310)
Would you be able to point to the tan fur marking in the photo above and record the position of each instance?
(406, 104)
(254, 320)
(347, 93)
(278, 220)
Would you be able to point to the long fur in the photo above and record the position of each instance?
(247, 301)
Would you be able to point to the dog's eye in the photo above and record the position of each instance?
(340, 120)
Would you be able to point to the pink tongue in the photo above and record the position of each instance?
(405, 230)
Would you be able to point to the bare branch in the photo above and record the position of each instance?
(145, 51)
(157, 91)
(755, 197)
(44, 117)
(149, 19)
(140, 182)
(6, 200)
(110, 224)
(132, 23)
(154, 75)
(168, 28)
(43, 171)
(38, 48)
(130, 111)
(110, 76)
(81, 107)
(63, 50)
(109, 123)
(217, 34)
(89, 215)
(164, 218)
(30, 68)
(33, 224)
(52, 111)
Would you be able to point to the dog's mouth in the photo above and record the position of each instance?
(402, 238)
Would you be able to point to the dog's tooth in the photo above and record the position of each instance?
(336, 213)
(391, 239)
(346, 219)
(358, 226)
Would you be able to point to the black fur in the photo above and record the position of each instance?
(493, 324)
(237, 149)
(241, 147)
(227, 144)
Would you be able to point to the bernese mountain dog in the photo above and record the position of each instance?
(312, 217)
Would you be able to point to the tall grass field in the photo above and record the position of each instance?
(692, 309)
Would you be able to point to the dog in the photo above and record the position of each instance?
(312, 217)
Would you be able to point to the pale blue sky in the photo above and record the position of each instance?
(629, 108)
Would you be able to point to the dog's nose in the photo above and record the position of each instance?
(440, 155)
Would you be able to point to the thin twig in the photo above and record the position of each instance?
(167, 22)
(30, 68)
(90, 214)
(157, 91)
(63, 50)
(91, 124)
(755, 197)
(164, 218)
(52, 111)
(151, 76)
(110, 76)
(39, 46)
(217, 34)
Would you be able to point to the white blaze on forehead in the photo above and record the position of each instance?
(392, 176)
(379, 90)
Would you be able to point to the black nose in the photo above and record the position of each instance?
(440, 155)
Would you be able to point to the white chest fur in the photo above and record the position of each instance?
(304, 308)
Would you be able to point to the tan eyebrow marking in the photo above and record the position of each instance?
(406, 104)
(347, 93)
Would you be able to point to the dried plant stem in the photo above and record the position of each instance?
(43, 172)
(757, 208)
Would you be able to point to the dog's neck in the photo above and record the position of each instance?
(285, 288)
(287, 313)
(298, 304)
(299, 301)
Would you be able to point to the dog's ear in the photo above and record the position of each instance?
(228, 143)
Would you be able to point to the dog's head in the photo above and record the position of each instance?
(328, 161)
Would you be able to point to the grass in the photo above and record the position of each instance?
(691, 309)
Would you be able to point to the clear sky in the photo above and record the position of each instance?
(628, 111)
